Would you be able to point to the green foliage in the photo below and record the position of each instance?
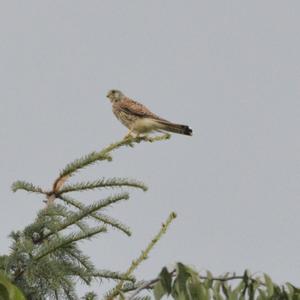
(184, 283)
(45, 260)
(90, 296)
(103, 183)
(98, 216)
(120, 288)
(104, 154)
(26, 186)
(9, 291)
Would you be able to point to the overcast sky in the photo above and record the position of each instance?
(229, 69)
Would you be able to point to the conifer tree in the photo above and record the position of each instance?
(45, 261)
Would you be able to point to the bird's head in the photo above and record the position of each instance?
(115, 96)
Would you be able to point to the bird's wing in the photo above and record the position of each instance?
(135, 108)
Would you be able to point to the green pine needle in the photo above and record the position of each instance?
(74, 218)
(102, 183)
(26, 186)
(105, 274)
(104, 154)
(83, 162)
(45, 260)
(76, 254)
(61, 211)
(97, 216)
(61, 242)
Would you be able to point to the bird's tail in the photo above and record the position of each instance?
(176, 128)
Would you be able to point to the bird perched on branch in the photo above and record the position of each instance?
(139, 119)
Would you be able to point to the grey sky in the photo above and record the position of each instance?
(229, 69)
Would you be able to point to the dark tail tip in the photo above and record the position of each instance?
(188, 131)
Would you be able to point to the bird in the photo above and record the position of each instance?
(139, 119)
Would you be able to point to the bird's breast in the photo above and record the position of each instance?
(125, 118)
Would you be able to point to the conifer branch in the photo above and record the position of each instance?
(60, 243)
(26, 186)
(68, 289)
(95, 157)
(83, 162)
(81, 259)
(87, 160)
(61, 211)
(112, 275)
(71, 269)
(97, 216)
(102, 183)
(43, 257)
(76, 217)
(144, 255)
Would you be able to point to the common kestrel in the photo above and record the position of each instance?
(139, 119)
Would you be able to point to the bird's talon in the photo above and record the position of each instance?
(147, 138)
(128, 136)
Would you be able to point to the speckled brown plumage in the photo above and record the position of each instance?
(139, 119)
